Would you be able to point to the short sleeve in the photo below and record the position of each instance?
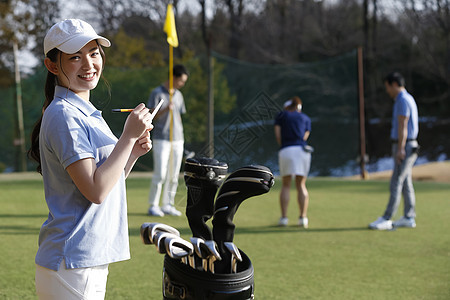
(278, 119)
(182, 105)
(403, 108)
(308, 124)
(69, 140)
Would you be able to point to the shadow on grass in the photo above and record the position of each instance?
(143, 214)
(17, 216)
(19, 230)
(296, 229)
(274, 229)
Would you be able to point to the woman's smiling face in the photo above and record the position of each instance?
(81, 71)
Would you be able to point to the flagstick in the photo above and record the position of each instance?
(172, 40)
(171, 167)
(171, 89)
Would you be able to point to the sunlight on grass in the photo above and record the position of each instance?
(336, 258)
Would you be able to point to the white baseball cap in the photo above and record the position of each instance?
(71, 35)
(287, 103)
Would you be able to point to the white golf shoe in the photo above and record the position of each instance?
(303, 222)
(405, 222)
(381, 224)
(283, 221)
(170, 210)
(155, 211)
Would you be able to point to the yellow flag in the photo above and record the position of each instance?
(169, 27)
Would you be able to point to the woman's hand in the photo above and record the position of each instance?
(138, 123)
(139, 119)
(95, 183)
(143, 145)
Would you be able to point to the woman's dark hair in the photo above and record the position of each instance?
(295, 101)
(49, 91)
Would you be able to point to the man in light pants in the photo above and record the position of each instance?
(168, 147)
(404, 131)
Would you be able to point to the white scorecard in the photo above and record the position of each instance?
(153, 114)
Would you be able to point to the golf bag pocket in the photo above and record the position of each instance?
(180, 281)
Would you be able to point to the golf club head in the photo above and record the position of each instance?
(214, 254)
(159, 240)
(231, 247)
(148, 231)
(201, 253)
(213, 249)
(203, 177)
(200, 248)
(230, 257)
(146, 239)
(178, 248)
(233, 259)
(160, 227)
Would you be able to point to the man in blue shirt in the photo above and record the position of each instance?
(404, 131)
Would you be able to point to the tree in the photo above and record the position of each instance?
(26, 22)
(22, 24)
(130, 52)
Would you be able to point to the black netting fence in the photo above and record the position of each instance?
(328, 90)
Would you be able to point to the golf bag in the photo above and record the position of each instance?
(211, 266)
(180, 281)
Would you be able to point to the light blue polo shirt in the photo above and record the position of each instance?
(81, 232)
(404, 105)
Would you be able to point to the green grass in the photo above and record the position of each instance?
(336, 258)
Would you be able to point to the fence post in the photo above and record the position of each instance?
(20, 141)
(362, 129)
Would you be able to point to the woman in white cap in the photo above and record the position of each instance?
(292, 129)
(83, 166)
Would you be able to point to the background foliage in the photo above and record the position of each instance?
(410, 36)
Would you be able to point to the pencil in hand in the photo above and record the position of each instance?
(122, 110)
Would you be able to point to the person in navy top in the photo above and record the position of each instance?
(292, 129)
(83, 166)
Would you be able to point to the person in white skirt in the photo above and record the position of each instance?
(292, 129)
